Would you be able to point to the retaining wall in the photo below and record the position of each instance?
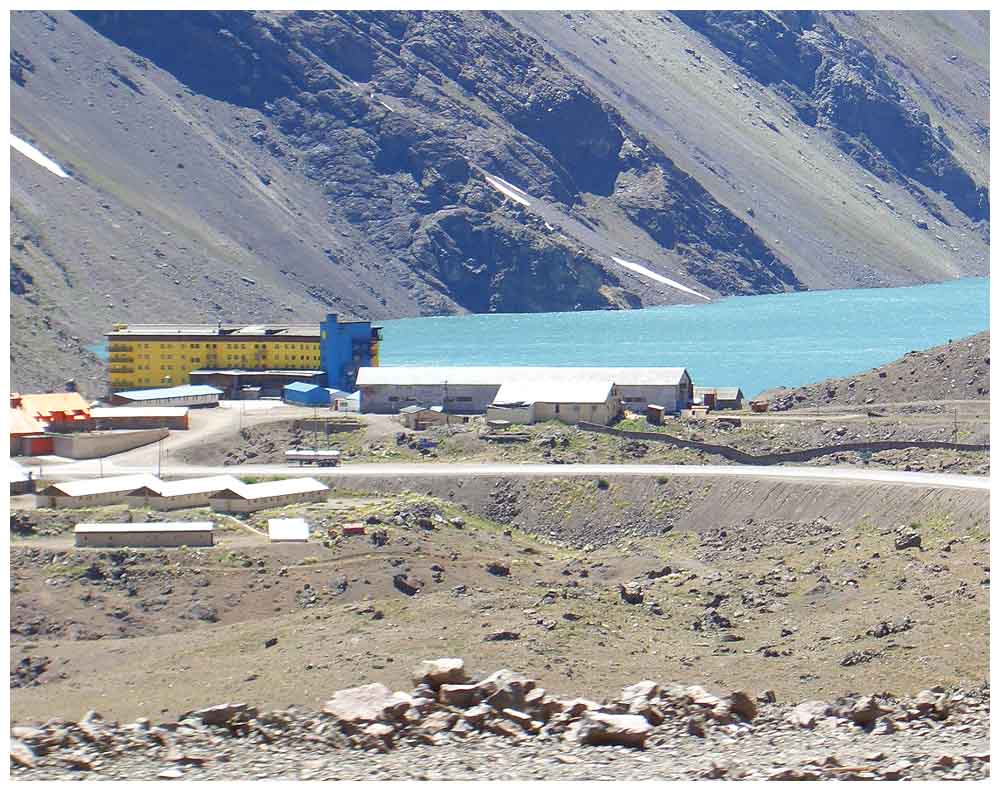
(92, 445)
(741, 457)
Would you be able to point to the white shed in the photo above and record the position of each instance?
(569, 400)
(188, 493)
(144, 534)
(245, 498)
(287, 531)
(92, 492)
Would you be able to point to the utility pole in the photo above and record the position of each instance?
(954, 432)
(159, 458)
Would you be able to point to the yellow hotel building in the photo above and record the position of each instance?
(164, 355)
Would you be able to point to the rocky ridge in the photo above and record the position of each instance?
(452, 726)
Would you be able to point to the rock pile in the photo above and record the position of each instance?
(448, 707)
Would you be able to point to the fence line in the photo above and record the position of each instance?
(741, 457)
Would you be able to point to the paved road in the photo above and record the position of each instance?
(86, 469)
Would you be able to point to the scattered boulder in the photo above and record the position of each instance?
(407, 584)
(808, 713)
(498, 569)
(597, 728)
(865, 711)
(436, 672)
(368, 703)
(223, 714)
(630, 594)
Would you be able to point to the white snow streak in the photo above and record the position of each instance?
(640, 269)
(35, 155)
(508, 189)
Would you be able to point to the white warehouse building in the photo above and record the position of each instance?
(471, 390)
(144, 534)
(187, 493)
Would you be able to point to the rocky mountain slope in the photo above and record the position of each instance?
(957, 370)
(261, 165)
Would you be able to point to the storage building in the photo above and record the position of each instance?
(183, 395)
(305, 394)
(719, 397)
(93, 492)
(420, 417)
(472, 389)
(245, 498)
(288, 531)
(589, 400)
(171, 495)
(140, 417)
(144, 534)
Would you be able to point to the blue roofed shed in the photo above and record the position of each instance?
(302, 393)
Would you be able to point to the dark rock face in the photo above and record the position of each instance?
(444, 98)
(835, 82)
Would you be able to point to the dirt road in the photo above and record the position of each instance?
(90, 468)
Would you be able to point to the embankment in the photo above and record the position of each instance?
(581, 510)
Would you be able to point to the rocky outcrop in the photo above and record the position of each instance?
(835, 82)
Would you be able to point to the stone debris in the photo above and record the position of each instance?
(452, 712)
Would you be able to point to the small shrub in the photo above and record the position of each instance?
(602, 484)
(662, 480)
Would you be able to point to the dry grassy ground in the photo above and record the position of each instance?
(794, 606)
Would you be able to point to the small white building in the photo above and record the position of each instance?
(288, 531)
(144, 534)
(245, 498)
(92, 492)
(171, 495)
(589, 400)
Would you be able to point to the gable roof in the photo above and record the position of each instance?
(584, 391)
(253, 491)
(181, 391)
(722, 393)
(115, 483)
(186, 486)
(43, 405)
(22, 423)
(301, 387)
(477, 375)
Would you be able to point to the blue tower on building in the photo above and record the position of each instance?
(344, 347)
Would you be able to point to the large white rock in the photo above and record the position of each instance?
(369, 703)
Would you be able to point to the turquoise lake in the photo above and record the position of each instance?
(754, 342)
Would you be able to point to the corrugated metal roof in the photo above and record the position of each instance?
(138, 411)
(181, 391)
(475, 375)
(287, 529)
(41, 405)
(723, 393)
(210, 484)
(301, 387)
(555, 392)
(116, 483)
(253, 491)
(21, 423)
(143, 527)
